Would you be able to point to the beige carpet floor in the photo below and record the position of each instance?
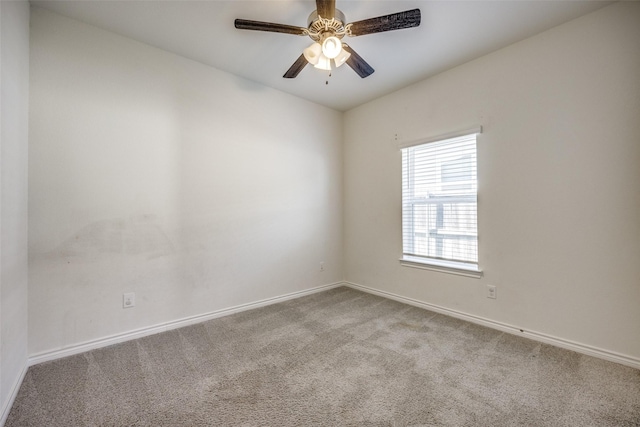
(336, 358)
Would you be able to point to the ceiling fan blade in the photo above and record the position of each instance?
(295, 69)
(395, 21)
(245, 24)
(358, 64)
(326, 8)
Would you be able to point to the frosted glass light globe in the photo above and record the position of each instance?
(331, 47)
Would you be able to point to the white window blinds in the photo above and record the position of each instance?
(439, 200)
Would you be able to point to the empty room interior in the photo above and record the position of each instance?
(435, 223)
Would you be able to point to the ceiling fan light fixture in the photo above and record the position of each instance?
(341, 58)
(312, 53)
(331, 47)
(327, 26)
(324, 63)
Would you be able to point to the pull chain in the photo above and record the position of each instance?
(327, 82)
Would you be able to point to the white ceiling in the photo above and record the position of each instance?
(451, 33)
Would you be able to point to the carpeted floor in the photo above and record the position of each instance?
(336, 358)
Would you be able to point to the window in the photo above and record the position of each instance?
(439, 203)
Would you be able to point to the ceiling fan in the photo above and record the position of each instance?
(326, 27)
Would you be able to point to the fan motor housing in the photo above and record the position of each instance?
(318, 25)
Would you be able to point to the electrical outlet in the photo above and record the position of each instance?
(322, 266)
(129, 300)
(492, 291)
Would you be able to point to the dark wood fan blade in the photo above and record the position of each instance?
(245, 24)
(326, 8)
(395, 21)
(295, 69)
(358, 64)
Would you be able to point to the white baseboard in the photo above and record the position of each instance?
(6, 408)
(167, 326)
(139, 333)
(537, 336)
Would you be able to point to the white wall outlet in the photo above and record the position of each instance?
(492, 291)
(322, 266)
(129, 300)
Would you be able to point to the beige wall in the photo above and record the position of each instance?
(14, 78)
(154, 174)
(559, 173)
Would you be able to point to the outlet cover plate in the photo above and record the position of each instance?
(492, 291)
(129, 300)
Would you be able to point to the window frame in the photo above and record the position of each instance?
(468, 269)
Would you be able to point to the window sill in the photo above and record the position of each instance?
(441, 266)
